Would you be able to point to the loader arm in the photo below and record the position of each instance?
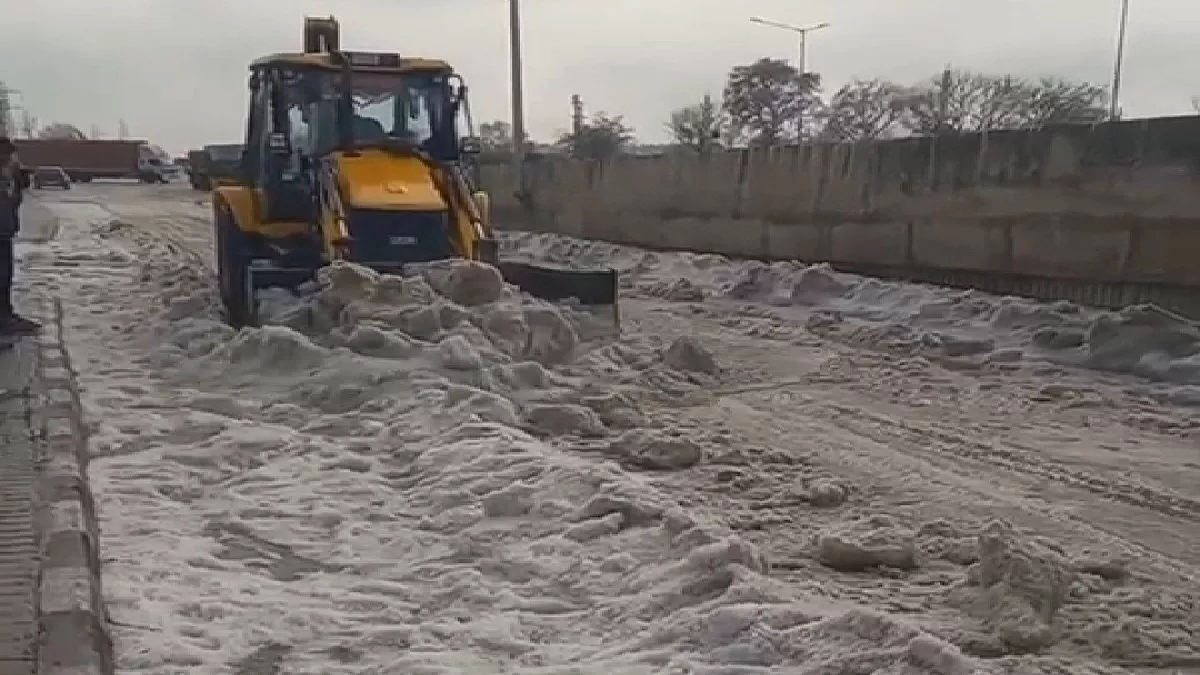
(331, 215)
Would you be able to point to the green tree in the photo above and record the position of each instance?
(767, 100)
(600, 138)
(697, 126)
(496, 136)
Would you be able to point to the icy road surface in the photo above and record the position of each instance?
(776, 469)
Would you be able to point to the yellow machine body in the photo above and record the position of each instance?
(373, 180)
(357, 199)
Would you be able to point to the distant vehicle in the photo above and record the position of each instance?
(90, 159)
(45, 176)
(197, 170)
(216, 164)
(165, 165)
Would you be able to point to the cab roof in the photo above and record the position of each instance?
(375, 62)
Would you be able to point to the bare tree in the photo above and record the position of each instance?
(1055, 101)
(697, 126)
(868, 109)
(766, 100)
(964, 101)
(961, 101)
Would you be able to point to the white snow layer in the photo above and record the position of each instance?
(401, 476)
(1142, 340)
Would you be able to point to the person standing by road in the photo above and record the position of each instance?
(13, 182)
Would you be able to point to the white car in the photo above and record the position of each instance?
(46, 176)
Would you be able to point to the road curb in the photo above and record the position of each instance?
(74, 636)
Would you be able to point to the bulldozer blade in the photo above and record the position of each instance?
(595, 288)
(589, 287)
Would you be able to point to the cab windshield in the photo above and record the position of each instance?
(411, 106)
(224, 153)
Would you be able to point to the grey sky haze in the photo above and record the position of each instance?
(175, 71)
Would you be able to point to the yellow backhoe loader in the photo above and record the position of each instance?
(357, 156)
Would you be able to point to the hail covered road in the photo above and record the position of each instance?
(410, 477)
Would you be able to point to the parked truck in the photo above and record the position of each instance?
(197, 170)
(85, 160)
(214, 165)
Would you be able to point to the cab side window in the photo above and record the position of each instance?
(256, 130)
(297, 120)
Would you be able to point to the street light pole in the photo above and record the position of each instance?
(1114, 108)
(801, 58)
(518, 95)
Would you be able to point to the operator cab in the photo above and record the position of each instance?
(305, 107)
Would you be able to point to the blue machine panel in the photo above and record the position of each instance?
(390, 237)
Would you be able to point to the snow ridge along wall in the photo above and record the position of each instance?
(74, 632)
(1105, 214)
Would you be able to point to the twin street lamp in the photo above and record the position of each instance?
(518, 93)
(801, 62)
(801, 31)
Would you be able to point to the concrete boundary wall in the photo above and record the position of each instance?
(74, 631)
(1094, 213)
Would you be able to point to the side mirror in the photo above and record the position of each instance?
(470, 145)
(26, 178)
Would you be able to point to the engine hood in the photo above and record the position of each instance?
(375, 179)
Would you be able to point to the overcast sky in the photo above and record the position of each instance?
(175, 70)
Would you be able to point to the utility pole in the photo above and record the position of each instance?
(710, 130)
(801, 57)
(518, 95)
(1114, 105)
(122, 130)
(29, 124)
(576, 117)
(6, 110)
(943, 101)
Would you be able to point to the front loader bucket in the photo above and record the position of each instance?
(260, 278)
(289, 278)
(589, 287)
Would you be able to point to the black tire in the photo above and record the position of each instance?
(232, 269)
